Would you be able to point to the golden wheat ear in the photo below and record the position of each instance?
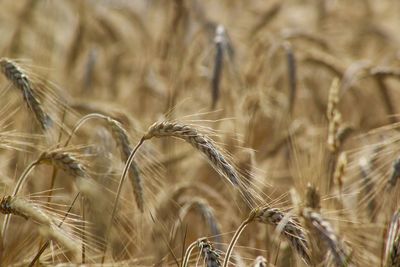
(199, 141)
(48, 228)
(18, 77)
(285, 225)
(325, 232)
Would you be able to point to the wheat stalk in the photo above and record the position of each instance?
(121, 137)
(392, 248)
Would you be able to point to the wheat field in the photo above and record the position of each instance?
(199, 133)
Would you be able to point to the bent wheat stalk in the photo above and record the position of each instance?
(193, 137)
(392, 248)
(121, 137)
(238, 232)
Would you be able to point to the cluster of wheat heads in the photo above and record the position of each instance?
(199, 133)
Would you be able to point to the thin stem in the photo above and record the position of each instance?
(81, 122)
(21, 181)
(237, 235)
(188, 252)
(54, 173)
(121, 182)
(83, 229)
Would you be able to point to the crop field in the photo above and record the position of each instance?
(200, 133)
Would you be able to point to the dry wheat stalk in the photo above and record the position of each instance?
(121, 137)
(392, 248)
(19, 79)
(328, 235)
(21, 207)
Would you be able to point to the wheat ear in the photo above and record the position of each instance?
(190, 135)
(18, 206)
(198, 141)
(19, 79)
(288, 227)
(211, 257)
(327, 235)
(121, 137)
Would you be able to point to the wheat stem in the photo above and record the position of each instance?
(121, 182)
(237, 234)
